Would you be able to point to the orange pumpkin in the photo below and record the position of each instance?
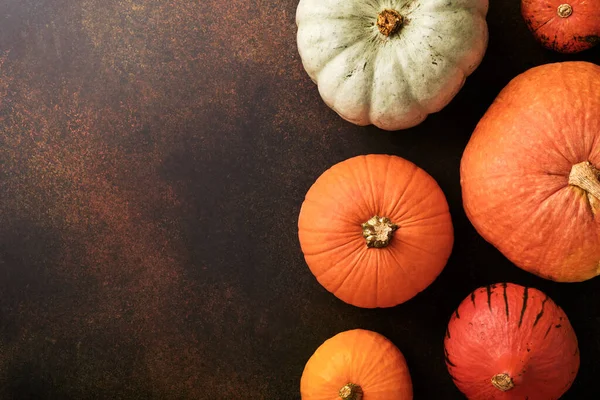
(375, 230)
(354, 365)
(566, 26)
(529, 174)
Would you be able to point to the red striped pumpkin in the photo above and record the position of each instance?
(506, 341)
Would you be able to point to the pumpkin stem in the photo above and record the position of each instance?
(389, 21)
(503, 382)
(378, 231)
(564, 10)
(585, 176)
(351, 391)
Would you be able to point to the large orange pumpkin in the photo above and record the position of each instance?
(375, 230)
(566, 26)
(354, 365)
(530, 172)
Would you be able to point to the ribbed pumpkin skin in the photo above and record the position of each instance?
(362, 357)
(349, 194)
(392, 81)
(507, 328)
(515, 171)
(577, 32)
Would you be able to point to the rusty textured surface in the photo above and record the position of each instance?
(153, 158)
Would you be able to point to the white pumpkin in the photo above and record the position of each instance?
(390, 62)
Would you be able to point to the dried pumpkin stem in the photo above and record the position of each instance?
(378, 231)
(389, 21)
(503, 382)
(564, 10)
(351, 391)
(587, 177)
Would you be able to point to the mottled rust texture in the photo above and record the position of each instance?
(153, 158)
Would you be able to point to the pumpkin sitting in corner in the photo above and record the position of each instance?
(569, 26)
(356, 364)
(390, 63)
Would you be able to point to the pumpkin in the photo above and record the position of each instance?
(375, 230)
(566, 26)
(390, 62)
(506, 341)
(529, 174)
(356, 364)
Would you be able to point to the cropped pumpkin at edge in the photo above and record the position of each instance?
(530, 174)
(375, 230)
(506, 341)
(565, 26)
(355, 364)
(390, 63)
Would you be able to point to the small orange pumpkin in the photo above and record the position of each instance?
(375, 230)
(354, 365)
(566, 26)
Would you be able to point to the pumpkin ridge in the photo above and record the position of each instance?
(553, 193)
(527, 119)
(413, 206)
(402, 76)
(406, 275)
(409, 181)
(362, 206)
(372, 91)
(383, 202)
(452, 58)
(343, 185)
(324, 64)
(455, 57)
(370, 372)
(376, 200)
(409, 85)
(336, 249)
(359, 258)
(329, 232)
(334, 265)
(409, 222)
(376, 381)
(314, 66)
(315, 9)
(333, 211)
(428, 252)
(355, 173)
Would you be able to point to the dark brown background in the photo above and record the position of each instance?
(154, 156)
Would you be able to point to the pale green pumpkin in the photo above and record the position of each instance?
(390, 62)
